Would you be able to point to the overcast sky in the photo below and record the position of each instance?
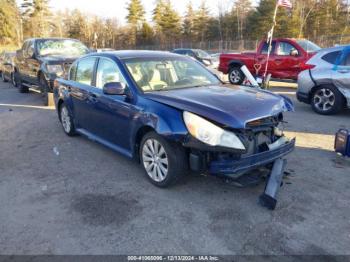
(117, 8)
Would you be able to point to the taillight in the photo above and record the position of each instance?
(306, 66)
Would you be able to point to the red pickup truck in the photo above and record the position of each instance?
(287, 59)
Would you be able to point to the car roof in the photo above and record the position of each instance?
(128, 54)
(335, 48)
(51, 38)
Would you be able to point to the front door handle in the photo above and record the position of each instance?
(92, 97)
(344, 71)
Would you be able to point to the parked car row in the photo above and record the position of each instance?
(166, 110)
(323, 75)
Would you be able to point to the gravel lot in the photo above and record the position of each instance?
(62, 195)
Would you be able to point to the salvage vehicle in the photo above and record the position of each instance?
(326, 84)
(200, 55)
(7, 67)
(287, 60)
(172, 114)
(41, 60)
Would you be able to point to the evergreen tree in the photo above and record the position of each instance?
(136, 13)
(188, 22)
(135, 18)
(37, 17)
(261, 21)
(201, 22)
(146, 35)
(167, 21)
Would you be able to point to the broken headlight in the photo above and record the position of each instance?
(209, 133)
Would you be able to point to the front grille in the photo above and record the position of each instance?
(263, 122)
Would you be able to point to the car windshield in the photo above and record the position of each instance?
(308, 46)
(201, 53)
(158, 74)
(65, 47)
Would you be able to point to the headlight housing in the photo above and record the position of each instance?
(55, 69)
(209, 133)
(206, 62)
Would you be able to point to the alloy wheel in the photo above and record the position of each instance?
(235, 76)
(324, 99)
(65, 119)
(155, 160)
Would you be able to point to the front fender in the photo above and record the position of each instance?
(288, 103)
(165, 120)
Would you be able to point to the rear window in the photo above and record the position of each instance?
(331, 57)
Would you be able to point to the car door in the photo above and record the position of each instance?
(341, 72)
(112, 113)
(261, 59)
(286, 65)
(81, 80)
(32, 64)
(21, 61)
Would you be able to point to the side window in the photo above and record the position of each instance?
(265, 48)
(284, 49)
(30, 49)
(191, 53)
(85, 70)
(73, 72)
(107, 72)
(331, 57)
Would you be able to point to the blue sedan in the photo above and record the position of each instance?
(172, 115)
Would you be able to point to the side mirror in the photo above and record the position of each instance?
(294, 52)
(114, 88)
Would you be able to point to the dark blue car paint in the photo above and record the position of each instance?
(229, 106)
(116, 121)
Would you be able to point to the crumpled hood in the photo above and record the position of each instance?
(230, 106)
(58, 59)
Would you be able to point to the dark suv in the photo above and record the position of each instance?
(41, 60)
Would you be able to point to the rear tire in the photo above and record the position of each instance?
(235, 75)
(44, 88)
(3, 77)
(13, 79)
(21, 87)
(164, 162)
(66, 120)
(327, 100)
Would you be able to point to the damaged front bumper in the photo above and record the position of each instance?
(245, 164)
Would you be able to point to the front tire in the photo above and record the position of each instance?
(164, 162)
(235, 75)
(44, 88)
(66, 121)
(3, 77)
(13, 79)
(21, 87)
(327, 100)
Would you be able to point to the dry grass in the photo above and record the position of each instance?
(8, 48)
